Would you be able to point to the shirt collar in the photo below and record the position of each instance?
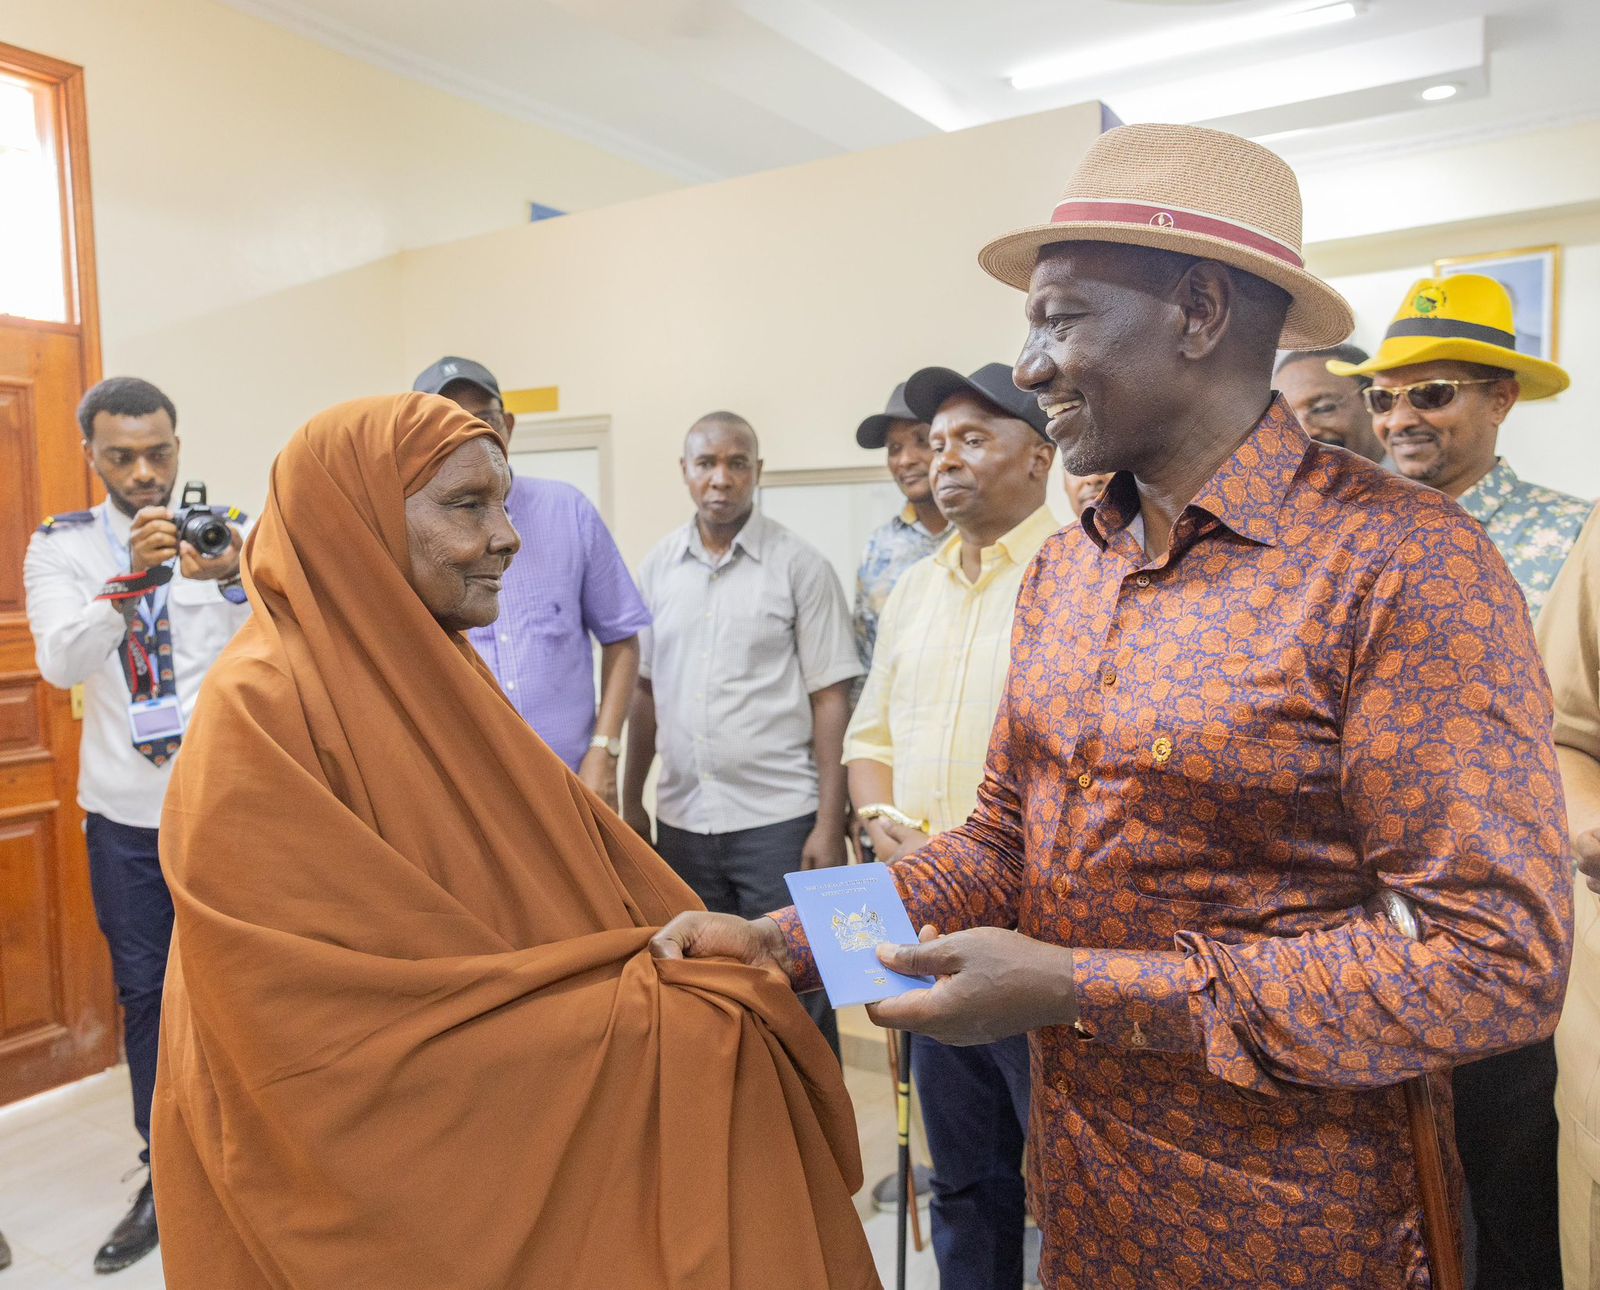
(1017, 545)
(1246, 494)
(907, 519)
(1490, 493)
(120, 524)
(748, 539)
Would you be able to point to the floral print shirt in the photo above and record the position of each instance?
(1534, 528)
(1203, 766)
(892, 549)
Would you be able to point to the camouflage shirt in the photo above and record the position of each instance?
(1531, 526)
(892, 548)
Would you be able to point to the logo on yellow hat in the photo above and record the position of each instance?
(1429, 299)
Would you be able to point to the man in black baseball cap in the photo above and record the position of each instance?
(990, 464)
(473, 386)
(928, 389)
(904, 538)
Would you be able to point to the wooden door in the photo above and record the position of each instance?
(58, 1016)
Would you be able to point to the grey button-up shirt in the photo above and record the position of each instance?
(738, 646)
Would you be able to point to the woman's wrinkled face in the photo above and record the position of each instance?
(460, 538)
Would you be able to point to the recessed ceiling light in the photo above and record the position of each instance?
(1439, 93)
(1176, 42)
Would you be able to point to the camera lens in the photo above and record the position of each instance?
(208, 535)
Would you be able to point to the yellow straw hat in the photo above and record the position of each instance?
(1465, 318)
(1195, 191)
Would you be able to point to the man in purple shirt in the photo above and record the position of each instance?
(568, 584)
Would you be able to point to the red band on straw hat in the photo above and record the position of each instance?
(1079, 210)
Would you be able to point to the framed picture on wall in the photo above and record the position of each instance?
(1532, 277)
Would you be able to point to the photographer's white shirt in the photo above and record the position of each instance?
(75, 641)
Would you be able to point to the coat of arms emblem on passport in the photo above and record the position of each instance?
(859, 931)
(847, 912)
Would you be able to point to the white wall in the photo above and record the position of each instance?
(795, 297)
(242, 178)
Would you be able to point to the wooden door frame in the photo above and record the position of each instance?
(64, 84)
(77, 202)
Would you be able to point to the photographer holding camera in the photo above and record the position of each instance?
(133, 600)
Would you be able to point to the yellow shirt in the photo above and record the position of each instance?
(1569, 638)
(938, 671)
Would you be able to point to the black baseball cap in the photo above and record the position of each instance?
(874, 431)
(992, 382)
(450, 369)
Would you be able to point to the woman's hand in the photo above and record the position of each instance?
(699, 935)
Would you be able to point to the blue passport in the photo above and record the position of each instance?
(847, 913)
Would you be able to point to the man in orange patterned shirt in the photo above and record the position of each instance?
(1260, 682)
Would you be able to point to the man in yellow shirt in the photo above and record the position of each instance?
(1568, 629)
(915, 751)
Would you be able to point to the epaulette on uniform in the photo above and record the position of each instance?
(66, 520)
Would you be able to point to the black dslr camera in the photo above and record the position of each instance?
(199, 525)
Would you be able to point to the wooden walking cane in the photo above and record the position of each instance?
(1444, 1251)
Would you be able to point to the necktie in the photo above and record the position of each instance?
(147, 659)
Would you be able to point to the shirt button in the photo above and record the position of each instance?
(1108, 678)
(1083, 780)
(1143, 580)
(505, 636)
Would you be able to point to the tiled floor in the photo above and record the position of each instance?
(63, 1154)
(62, 1158)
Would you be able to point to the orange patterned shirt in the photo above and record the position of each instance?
(1328, 684)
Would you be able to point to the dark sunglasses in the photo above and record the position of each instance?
(1424, 396)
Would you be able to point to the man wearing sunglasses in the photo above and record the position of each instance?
(1443, 382)
(1447, 375)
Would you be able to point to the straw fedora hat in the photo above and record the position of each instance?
(1467, 318)
(1197, 192)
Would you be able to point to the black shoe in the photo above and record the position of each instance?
(133, 1238)
(5, 1252)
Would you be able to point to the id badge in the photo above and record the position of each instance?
(160, 718)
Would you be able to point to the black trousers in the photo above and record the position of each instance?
(134, 910)
(1506, 1134)
(742, 873)
(975, 1109)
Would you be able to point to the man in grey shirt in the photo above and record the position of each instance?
(744, 685)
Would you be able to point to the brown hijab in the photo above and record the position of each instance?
(412, 1036)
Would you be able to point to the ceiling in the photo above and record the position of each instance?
(708, 89)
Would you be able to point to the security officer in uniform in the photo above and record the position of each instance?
(121, 606)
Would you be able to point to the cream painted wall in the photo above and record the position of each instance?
(243, 175)
(1554, 441)
(795, 297)
(1380, 193)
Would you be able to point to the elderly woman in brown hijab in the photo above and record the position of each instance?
(413, 1037)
